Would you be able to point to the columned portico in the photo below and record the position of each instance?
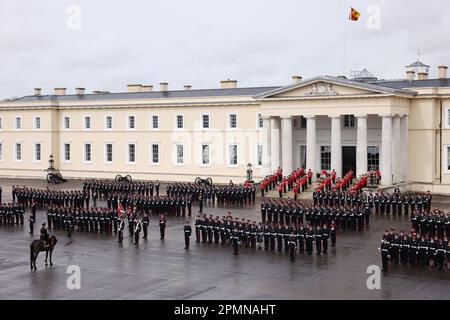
(404, 147)
(266, 146)
(275, 143)
(336, 145)
(286, 137)
(386, 149)
(361, 144)
(396, 173)
(311, 143)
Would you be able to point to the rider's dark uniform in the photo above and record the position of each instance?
(44, 236)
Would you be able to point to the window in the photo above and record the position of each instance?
(37, 123)
(131, 153)
(179, 154)
(87, 123)
(303, 122)
(303, 157)
(259, 121)
(232, 121)
(349, 121)
(446, 154)
(205, 121)
(87, 152)
(205, 154)
(18, 151)
(108, 153)
(66, 152)
(1, 124)
(155, 122)
(66, 123)
(37, 151)
(18, 123)
(1, 151)
(108, 122)
(373, 158)
(131, 122)
(180, 121)
(325, 158)
(154, 153)
(259, 154)
(232, 155)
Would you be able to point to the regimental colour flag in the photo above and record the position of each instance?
(354, 14)
(120, 210)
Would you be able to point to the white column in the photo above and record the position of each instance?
(336, 145)
(396, 150)
(286, 145)
(275, 143)
(386, 150)
(404, 147)
(311, 145)
(361, 145)
(265, 170)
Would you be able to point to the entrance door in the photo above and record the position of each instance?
(348, 159)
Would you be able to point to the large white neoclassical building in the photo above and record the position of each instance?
(400, 127)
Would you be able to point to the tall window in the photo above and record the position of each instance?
(349, 121)
(259, 154)
(205, 121)
(179, 156)
(66, 123)
(87, 123)
(154, 153)
(447, 154)
(131, 153)
(131, 122)
(232, 121)
(66, 155)
(37, 152)
(259, 121)
(325, 157)
(87, 152)
(155, 122)
(1, 151)
(373, 158)
(18, 123)
(37, 123)
(448, 118)
(303, 157)
(109, 152)
(303, 122)
(18, 151)
(205, 154)
(180, 121)
(108, 122)
(233, 154)
(1, 124)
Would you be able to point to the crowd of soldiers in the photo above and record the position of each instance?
(432, 224)
(345, 217)
(44, 197)
(276, 236)
(234, 194)
(11, 214)
(412, 249)
(103, 188)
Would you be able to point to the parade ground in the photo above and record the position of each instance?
(162, 269)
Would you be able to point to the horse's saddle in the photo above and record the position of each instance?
(43, 245)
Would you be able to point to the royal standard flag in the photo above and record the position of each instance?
(354, 15)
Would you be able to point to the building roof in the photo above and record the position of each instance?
(404, 84)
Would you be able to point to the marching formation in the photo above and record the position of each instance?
(103, 188)
(436, 223)
(44, 197)
(11, 214)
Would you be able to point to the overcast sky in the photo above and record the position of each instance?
(200, 42)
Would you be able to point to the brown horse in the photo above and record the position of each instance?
(38, 246)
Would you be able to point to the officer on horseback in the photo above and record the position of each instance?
(44, 236)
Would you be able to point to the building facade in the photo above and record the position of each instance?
(400, 127)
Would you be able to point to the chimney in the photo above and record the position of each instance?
(163, 86)
(60, 91)
(79, 91)
(228, 84)
(37, 91)
(410, 75)
(296, 79)
(187, 87)
(422, 76)
(134, 87)
(146, 88)
(442, 72)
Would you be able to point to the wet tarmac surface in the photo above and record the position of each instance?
(162, 269)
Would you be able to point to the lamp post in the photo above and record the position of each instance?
(51, 163)
(249, 172)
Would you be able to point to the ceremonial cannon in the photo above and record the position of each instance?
(126, 178)
(200, 181)
(53, 175)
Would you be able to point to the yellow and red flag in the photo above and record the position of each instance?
(354, 14)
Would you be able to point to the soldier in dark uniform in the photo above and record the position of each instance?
(145, 224)
(44, 236)
(235, 241)
(162, 226)
(325, 237)
(187, 235)
(309, 240)
(120, 228)
(32, 219)
(384, 249)
(292, 243)
(198, 228)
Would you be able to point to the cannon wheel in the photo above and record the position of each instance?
(198, 180)
(209, 181)
(128, 178)
(58, 177)
(118, 178)
(49, 177)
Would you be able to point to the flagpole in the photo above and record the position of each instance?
(350, 46)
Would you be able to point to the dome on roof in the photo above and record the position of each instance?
(363, 75)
